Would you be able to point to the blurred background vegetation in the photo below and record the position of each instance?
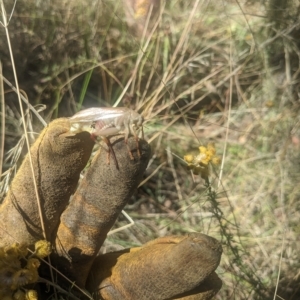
(225, 72)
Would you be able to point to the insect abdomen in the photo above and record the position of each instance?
(105, 127)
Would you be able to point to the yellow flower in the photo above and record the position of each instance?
(33, 264)
(31, 295)
(42, 248)
(189, 158)
(141, 8)
(20, 278)
(211, 148)
(202, 149)
(199, 164)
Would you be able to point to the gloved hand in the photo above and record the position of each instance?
(167, 268)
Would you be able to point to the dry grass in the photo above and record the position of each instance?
(225, 72)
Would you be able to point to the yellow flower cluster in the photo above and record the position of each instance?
(18, 268)
(199, 164)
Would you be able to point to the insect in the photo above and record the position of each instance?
(109, 121)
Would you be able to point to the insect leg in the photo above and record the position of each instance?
(133, 130)
(129, 151)
(93, 137)
(110, 150)
(127, 131)
(128, 148)
(137, 145)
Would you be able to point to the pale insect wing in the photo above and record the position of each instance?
(96, 113)
(112, 112)
(86, 115)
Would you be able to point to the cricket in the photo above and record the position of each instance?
(109, 121)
